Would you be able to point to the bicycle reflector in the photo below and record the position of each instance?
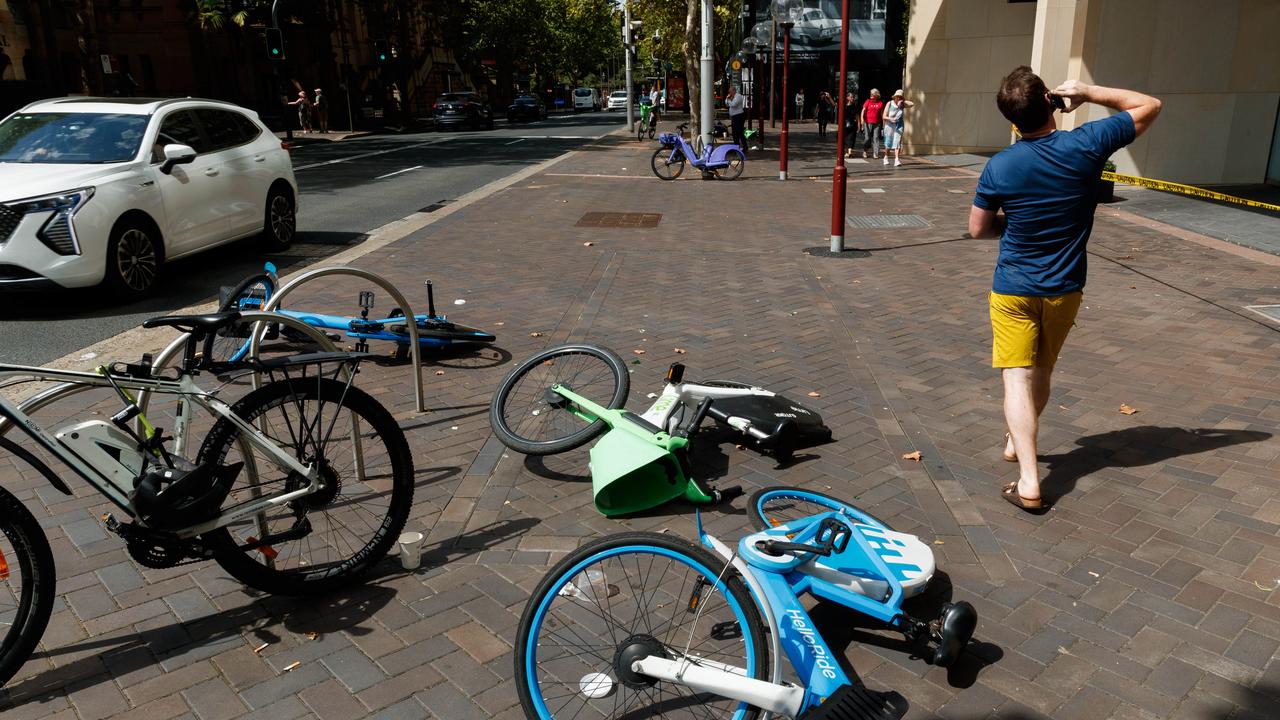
(4, 567)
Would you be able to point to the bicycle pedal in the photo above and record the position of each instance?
(857, 702)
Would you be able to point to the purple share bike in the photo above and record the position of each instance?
(725, 161)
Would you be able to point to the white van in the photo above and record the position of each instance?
(586, 99)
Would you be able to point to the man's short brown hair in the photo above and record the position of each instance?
(1022, 99)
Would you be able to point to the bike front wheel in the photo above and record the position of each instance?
(773, 506)
(26, 584)
(736, 161)
(231, 343)
(667, 164)
(529, 417)
(623, 598)
(329, 538)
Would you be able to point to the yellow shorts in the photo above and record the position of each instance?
(1029, 331)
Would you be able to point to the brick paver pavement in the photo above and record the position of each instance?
(1149, 591)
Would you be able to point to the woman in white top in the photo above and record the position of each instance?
(894, 124)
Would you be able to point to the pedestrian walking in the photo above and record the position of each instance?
(321, 107)
(736, 103)
(894, 123)
(654, 96)
(869, 123)
(1046, 185)
(800, 105)
(850, 121)
(825, 111)
(304, 111)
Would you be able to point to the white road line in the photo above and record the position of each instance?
(390, 174)
(513, 142)
(371, 154)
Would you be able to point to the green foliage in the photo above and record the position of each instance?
(668, 18)
(901, 50)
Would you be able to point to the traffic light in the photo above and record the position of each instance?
(275, 44)
(381, 51)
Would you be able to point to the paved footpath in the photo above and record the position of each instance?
(1149, 591)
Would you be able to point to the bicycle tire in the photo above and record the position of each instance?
(737, 160)
(653, 128)
(388, 471)
(674, 159)
(22, 540)
(763, 517)
(228, 343)
(576, 433)
(536, 640)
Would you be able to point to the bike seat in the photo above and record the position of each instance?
(200, 324)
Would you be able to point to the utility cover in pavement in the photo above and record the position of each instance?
(1270, 312)
(620, 220)
(879, 222)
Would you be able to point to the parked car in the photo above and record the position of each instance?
(108, 190)
(527, 107)
(586, 99)
(816, 30)
(458, 109)
(617, 100)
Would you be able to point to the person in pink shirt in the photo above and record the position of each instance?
(869, 123)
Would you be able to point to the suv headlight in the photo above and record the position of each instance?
(58, 232)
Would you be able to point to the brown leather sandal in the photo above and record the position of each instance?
(1010, 493)
(1007, 457)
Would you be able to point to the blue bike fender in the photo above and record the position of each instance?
(719, 154)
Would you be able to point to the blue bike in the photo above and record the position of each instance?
(434, 331)
(644, 624)
(725, 161)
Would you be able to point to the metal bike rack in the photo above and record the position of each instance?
(414, 347)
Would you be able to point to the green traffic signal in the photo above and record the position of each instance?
(275, 44)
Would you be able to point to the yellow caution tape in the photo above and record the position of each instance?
(1186, 190)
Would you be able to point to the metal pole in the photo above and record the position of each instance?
(839, 175)
(773, 72)
(786, 62)
(626, 48)
(708, 70)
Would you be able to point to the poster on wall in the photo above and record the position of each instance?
(819, 27)
(676, 96)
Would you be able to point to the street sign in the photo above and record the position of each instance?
(106, 64)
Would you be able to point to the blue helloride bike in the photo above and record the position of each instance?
(644, 624)
(725, 160)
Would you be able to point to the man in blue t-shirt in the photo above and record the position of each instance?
(1046, 184)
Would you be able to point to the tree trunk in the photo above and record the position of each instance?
(693, 79)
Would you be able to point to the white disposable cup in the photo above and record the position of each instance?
(410, 544)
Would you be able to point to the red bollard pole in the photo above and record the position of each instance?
(786, 102)
(838, 175)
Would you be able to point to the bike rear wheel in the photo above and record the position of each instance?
(773, 506)
(26, 584)
(736, 161)
(231, 343)
(528, 416)
(624, 597)
(353, 519)
(667, 164)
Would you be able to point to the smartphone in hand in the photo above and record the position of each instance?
(1057, 102)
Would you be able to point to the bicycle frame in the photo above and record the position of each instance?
(183, 387)
(677, 397)
(776, 585)
(712, 157)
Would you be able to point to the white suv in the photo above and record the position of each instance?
(97, 190)
(618, 100)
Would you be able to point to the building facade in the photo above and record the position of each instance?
(1216, 68)
(159, 48)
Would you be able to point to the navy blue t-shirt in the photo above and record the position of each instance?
(1048, 189)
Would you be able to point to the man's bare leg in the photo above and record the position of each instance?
(1023, 390)
(1040, 387)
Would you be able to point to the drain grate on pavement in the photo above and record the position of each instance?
(619, 220)
(1270, 312)
(880, 222)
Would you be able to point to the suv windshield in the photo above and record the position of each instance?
(71, 138)
(582, 92)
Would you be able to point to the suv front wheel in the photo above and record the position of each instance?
(133, 258)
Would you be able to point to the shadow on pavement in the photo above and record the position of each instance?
(1134, 447)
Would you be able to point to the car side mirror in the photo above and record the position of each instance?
(176, 155)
